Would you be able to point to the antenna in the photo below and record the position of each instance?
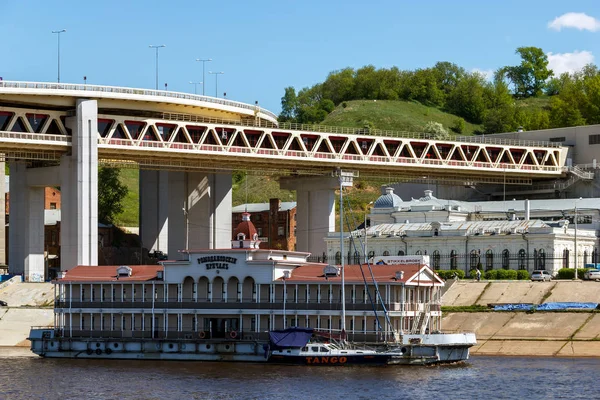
(246, 202)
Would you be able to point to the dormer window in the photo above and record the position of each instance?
(124, 271)
(241, 236)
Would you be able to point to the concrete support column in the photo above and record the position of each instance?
(315, 214)
(27, 221)
(180, 210)
(79, 190)
(3, 259)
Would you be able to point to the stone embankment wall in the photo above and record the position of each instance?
(29, 304)
(539, 333)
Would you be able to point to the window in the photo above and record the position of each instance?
(522, 259)
(436, 259)
(594, 139)
(489, 260)
(506, 259)
(53, 206)
(474, 258)
(386, 253)
(281, 231)
(541, 259)
(418, 252)
(259, 231)
(338, 257)
(557, 139)
(453, 260)
(566, 258)
(401, 253)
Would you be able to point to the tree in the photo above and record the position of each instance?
(529, 77)
(339, 86)
(467, 98)
(111, 193)
(500, 114)
(289, 105)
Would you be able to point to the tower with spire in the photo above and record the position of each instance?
(245, 235)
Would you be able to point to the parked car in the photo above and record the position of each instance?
(592, 274)
(541, 275)
(3, 303)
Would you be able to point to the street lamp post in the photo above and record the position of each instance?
(203, 61)
(216, 74)
(365, 250)
(576, 252)
(196, 86)
(157, 46)
(58, 50)
(286, 275)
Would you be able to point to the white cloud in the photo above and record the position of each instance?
(569, 62)
(579, 21)
(488, 74)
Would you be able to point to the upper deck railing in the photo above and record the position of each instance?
(134, 91)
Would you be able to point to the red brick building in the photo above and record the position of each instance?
(275, 223)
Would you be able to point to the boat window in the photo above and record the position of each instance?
(289, 351)
(314, 348)
(345, 352)
(324, 350)
(305, 349)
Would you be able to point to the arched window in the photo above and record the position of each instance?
(489, 260)
(371, 254)
(418, 252)
(386, 253)
(541, 259)
(522, 259)
(356, 257)
(535, 259)
(241, 236)
(436, 259)
(338, 258)
(401, 253)
(566, 258)
(505, 259)
(436, 232)
(473, 259)
(453, 260)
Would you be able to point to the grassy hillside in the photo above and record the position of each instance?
(130, 214)
(393, 115)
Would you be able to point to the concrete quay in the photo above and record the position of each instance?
(540, 333)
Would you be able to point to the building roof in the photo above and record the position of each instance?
(389, 199)
(245, 227)
(260, 207)
(108, 273)
(353, 274)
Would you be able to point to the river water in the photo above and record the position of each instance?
(25, 377)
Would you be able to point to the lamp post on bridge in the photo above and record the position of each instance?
(58, 51)
(216, 74)
(196, 86)
(157, 46)
(203, 61)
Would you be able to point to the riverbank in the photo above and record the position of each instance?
(540, 333)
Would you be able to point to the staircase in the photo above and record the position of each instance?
(421, 321)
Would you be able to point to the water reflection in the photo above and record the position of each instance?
(482, 377)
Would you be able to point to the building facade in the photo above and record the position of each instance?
(275, 223)
(529, 235)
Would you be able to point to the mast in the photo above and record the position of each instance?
(343, 333)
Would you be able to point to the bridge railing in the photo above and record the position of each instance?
(145, 92)
(35, 136)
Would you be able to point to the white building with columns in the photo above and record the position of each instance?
(527, 234)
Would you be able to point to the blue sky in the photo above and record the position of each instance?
(265, 46)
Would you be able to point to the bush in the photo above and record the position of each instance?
(491, 274)
(507, 274)
(568, 273)
(522, 275)
(459, 126)
(449, 274)
(436, 130)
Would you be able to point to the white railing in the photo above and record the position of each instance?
(35, 136)
(135, 91)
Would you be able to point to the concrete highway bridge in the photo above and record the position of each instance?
(55, 134)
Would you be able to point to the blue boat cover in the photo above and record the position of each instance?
(291, 337)
(546, 306)
(564, 306)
